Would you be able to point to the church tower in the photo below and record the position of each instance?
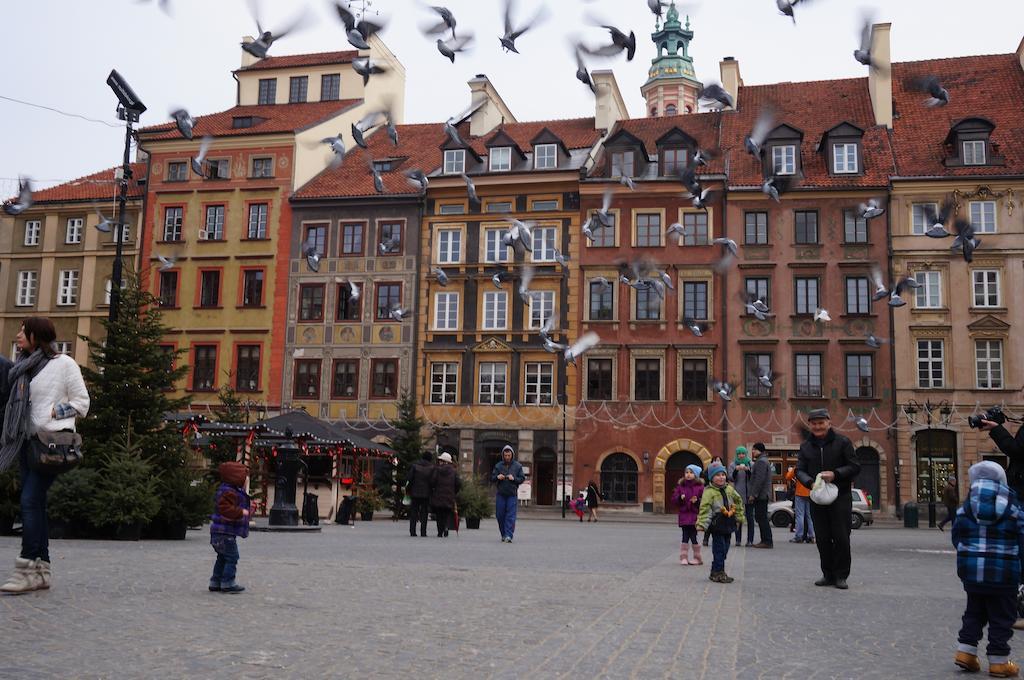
(672, 85)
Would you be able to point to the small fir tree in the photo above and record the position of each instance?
(408, 442)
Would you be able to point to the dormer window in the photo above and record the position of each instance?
(784, 159)
(545, 156)
(969, 142)
(383, 165)
(501, 159)
(454, 161)
(974, 152)
(844, 158)
(622, 164)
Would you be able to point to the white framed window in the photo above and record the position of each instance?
(494, 249)
(446, 311)
(845, 158)
(544, 244)
(983, 216)
(173, 220)
(542, 306)
(495, 310)
(545, 156)
(449, 246)
(67, 292)
(74, 230)
(929, 294)
(501, 158)
(28, 284)
(919, 222)
(444, 382)
(538, 384)
(988, 358)
(930, 369)
(63, 347)
(986, 287)
(454, 161)
(492, 382)
(784, 159)
(33, 230)
(974, 152)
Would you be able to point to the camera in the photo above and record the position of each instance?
(133, 106)
(995, 414)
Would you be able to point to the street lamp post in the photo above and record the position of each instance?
(563, 400)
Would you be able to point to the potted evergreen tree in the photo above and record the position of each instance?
(126, 492)
(367, 501)
(71, 503)
(475, 502)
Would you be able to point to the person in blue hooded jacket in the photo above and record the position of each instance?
(988, 534)
(508, 475)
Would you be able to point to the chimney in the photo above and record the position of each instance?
(880, 78)
(729, 70)
(248, 59)
(609, 106)
(1020, 53)
(492, 113)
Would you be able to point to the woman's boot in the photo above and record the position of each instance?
(25, 579)
(43, 570)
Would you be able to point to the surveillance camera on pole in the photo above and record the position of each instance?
(131, 106)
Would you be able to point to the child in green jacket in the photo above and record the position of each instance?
(721, 513)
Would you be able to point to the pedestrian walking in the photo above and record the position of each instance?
(579, 505)
(760, 492)
(508, 475)
(594, 499)
(951, 499)
(43, 392)
(686, 497)
(803, 527)
(987, 533)
(444, 487)
(229, 523)
(721, 509)
(739, 473)
(418, 487)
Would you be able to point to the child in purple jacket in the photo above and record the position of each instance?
(687, 499)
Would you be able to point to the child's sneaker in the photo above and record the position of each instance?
(969, 662)
(1002, 670)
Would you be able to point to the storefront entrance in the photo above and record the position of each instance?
(936, 460)
(544, 476)
(870, 479)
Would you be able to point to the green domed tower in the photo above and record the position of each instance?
(672, 85)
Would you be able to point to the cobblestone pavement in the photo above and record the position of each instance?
(566, 599)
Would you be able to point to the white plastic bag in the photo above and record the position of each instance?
(823, 493)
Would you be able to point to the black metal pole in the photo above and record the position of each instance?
(562, 499)
(931, 472)
(122, 200)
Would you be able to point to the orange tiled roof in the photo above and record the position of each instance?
(703, 127)
(99, 186)
(295, 60)
(276, 118)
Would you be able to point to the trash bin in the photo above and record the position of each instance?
(344, 515)
(310, 509)
(910, 515)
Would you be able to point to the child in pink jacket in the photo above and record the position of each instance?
(687, 499)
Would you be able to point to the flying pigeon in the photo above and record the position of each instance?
(474, 200)
(337, 145)
(447, 22)
(442, 278)
(588, 229)
(365, 124)
(881, 290)
(418, 179)
(390, 245)
(23, 202)
(754, 142)
(166, 262)
(937, 95)
(862, 424)
(508, 40)
(702, 156)
(451, 125)
(722, 389)
(312, 254)
(603, 216)
(105, 224)
(560, 258)
(259, 47)
(366, 67)
(716, 96)
(895, 297)
(822, 315)
(863, 53)
(965, 240)
(353, 291)
(552, 346)
(398, 314)
(582, 74)
(453, 45)
(499, 277)
(695, 327)
(728, 245)
(935, 222)
(200, 159)
(525, 279)
(391, 129)
(628, 182)
(656, 6)
(357, 32)
(786, 7)
(620, 42)
(585, 342)
(184, 122)
(548, 326)
(603, 284)
(765, 378)
(755, 306)
(870, 210)
(874, 341)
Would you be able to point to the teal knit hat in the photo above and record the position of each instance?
(741, 450)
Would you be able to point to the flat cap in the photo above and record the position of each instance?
(818, 414)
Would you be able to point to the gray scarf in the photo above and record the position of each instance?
(16, 419)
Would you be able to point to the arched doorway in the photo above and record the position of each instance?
(544, 476)
(618, 478)
(936, 460)
(659, 481)
(674, 468)
(869, 479)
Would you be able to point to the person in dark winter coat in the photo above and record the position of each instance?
(229, 523)
(988, 534)
(951, 499)
(444, 487)
(418, 487)
(507, 475)
(760, 492)
(687, 497)
(832, 456)
(594, 499)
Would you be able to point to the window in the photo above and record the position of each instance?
(756, 364)
(311, 302)
(495, 310)
(391, 237)
(346, 379)
(33, 228)
(622, 163)
(67, 292)
(204, 368)
(929, 294)
(806, 295)
(218, 169)
(648, 230)
(352, 239)
(695, 379)
(214, 222)
(446, 311)
(307, 379)
(492, 382)
(539, 380)
(494, 249)
(239, 122)
(297, 88)
(63, 347)
(857, 299)
(545, 156)
(986, 287)
(983, 216)
(860, 371)
(673, 162)
(452, 209)
(173, 218)
(501, 158)
(856, 227)
(618, 479)
(844, 158)
(540, 206)
(930, 370)
(454, 161)
(499, 207)
(544, 244)
(808, 375)
(74, 230)
(209, 288)
(542, 307)
(247, 368)
(267, 91)
(262, 167)
(252, 287)
(330, 87)
(602, 302)
(695, 300)
(348, 309)
(648, 305)
(989, 360)
(385, 165)
(756, 232)
(385, 378)
(258, 221)
(177, 171)
(919, 221)
(647, 380)
(758, 288)
(784, 159)
(806, 222)
(168, 289)
(444, 382)
(449, 243)
(389, 296)
(599, 379)
(604, 237)
(315, 235)
(974, 152)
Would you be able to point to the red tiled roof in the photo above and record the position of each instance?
(99, 186)
(575, 133)
(990, 87)
(702, 127)
(276, 118)
(295, 60)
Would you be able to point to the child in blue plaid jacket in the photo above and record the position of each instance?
(988, 534)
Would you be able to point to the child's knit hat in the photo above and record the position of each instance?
(986, 469)
(715, 469)
(695, 469)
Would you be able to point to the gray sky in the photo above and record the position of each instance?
(59, 52)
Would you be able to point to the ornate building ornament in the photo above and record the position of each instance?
(985, 193)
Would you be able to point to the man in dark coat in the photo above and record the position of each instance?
(760, 491)
(831, 455)
(507, 475)
(418, 487)
(444, 487)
